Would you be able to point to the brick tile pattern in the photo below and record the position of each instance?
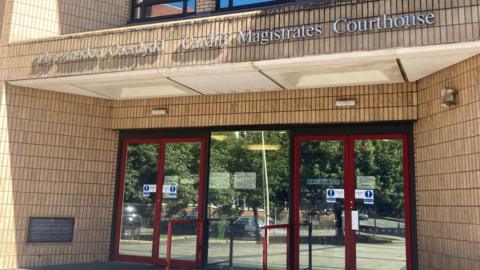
(57, 159)
(205, 6)
(447, 167)
(30, 19)
(392, 102)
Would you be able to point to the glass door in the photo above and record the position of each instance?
(160, 202)
(323, 233)
(135, 214)
(180, 204)
(351, 202)
(248, 200)
(381, 182)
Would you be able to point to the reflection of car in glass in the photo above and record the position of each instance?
(189, 228)
(326, 211)
(246, 227)
(131, 221)
(362, 216)
(192, 215)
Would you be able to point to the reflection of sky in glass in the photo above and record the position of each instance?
(176, 4)
(224, 3)
(190, 5)
(248, 2)
(179, 6)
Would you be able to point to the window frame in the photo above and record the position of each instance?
(232, 7)
(148, 3)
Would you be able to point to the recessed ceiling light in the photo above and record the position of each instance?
(346, 103)
(261, 147)
(219, 137)
(159, 112)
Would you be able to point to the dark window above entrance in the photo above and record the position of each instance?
(154, 10)
(161, 9)
(238, 4)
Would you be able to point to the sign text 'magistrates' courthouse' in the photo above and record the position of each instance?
(340, 26)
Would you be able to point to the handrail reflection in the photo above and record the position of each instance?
(169, 237)
(266, 228)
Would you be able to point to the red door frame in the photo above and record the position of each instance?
(349, 186)
(154, 259)
(349, 193)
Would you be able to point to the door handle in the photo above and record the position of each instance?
(156, 205)
(355, 220)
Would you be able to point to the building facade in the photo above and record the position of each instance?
(283, 134)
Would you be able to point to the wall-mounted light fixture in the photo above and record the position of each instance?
(159, 112)
(345, 103)
(449, 97)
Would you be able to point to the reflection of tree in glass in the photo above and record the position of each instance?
(232, 154)
(182, 160)
(319, 160)
(141, 168)
(383, 159)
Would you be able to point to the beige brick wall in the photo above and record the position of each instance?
(31, 19)
(57, 159)
(204, 6)
(447, 155)
(3, 32)
(311, 106)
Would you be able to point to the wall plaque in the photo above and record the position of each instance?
(47, 229)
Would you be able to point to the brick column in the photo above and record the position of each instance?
(205, 6)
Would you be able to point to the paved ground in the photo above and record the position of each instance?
(99, 266)
(248, 254)
(387, 253)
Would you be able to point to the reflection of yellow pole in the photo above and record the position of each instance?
(265, 181)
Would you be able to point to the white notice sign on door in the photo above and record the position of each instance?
(334, 194)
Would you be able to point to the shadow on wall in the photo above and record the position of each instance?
(48, 18)
(83, 16)
(3, 32)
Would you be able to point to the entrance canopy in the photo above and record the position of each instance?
(356, 68)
